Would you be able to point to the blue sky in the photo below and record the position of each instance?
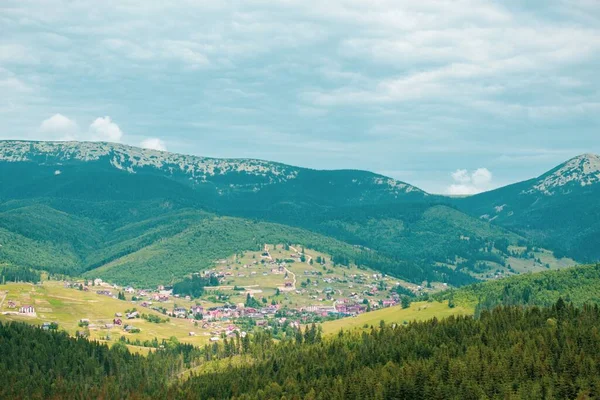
(451, 96)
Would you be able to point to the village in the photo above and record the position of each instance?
(280, 289)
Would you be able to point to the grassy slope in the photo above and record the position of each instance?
(418, 311)
(263, 282)
(55, 303)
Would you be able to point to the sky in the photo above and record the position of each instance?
(454, 97)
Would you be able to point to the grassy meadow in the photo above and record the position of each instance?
(418, 311)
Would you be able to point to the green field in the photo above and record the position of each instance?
(418, 311)
(55, 303)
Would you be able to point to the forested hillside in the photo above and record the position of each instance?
(559, 209)
(508, 353)
(144, 217)
(578, 285)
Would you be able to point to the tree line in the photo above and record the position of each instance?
(509, 352)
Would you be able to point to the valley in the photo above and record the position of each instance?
(188, 271)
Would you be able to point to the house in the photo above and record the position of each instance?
(262, 322)
(46, 326)
(117, 321)
(197, 310)
(118, 314)
(388, 303)
(130, 290)
(192, 334)
(288, 284)
(341, 308)
(27, 310)
(98, 282)
(132, 315)
(12, 304)
(214, 339)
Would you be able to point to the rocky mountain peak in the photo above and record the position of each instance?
(580, 171)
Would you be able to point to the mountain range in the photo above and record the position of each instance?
(138, 216)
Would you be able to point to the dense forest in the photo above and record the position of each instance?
(38, 364)
(18, 274)
(578, 285)
(510, 352)
(194, 285)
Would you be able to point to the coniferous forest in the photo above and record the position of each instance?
(506, 353)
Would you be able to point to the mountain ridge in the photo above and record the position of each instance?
(132, 159)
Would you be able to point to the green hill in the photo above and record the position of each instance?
(578, 285)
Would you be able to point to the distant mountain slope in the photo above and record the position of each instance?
(143, 215)
(560, 209)
(66, 169)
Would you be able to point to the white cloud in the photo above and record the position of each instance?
(59, 127)
(154, 144)
(467, 183)
(481, 177)
(104, 129)
(461, 176)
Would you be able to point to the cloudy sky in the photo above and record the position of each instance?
(452, 96)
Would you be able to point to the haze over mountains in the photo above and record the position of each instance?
(142, 216)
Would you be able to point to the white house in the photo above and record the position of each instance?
(27, 310)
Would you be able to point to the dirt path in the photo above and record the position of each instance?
(228, 287)
(293, 278)
(268, 253)
(308, 258)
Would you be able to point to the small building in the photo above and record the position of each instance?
(27, 310)
(192, 334)
(197, 310)
(12, 304)
(133, 315)
(119, 315)
(46, 326)
(118, 321)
